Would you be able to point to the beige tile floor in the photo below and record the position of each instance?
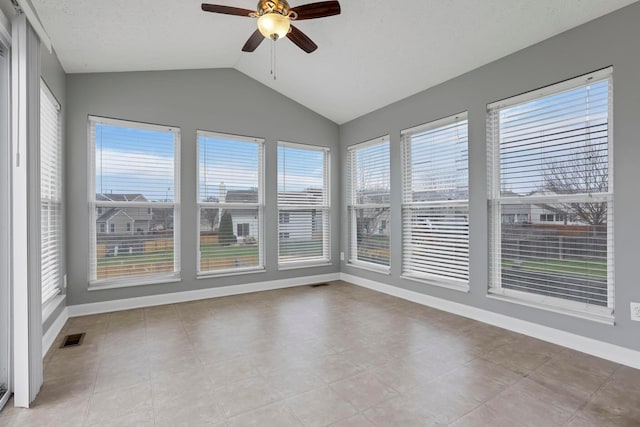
(337, 355)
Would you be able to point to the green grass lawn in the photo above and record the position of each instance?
(130, 259)
(212, 251)
(308, 247)
(591, 266)
(216, 251)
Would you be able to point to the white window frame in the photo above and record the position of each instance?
(325, 208)
(221, 205)
(150, 279)
(353, 207)
(548, 303)
(408, 205)
(52, 277)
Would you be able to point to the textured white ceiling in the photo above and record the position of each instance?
(374, 53)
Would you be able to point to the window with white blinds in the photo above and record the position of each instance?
(370, 189)
(230, 200)
(303, 204)
(435, 208)
(135, 202)
(551, 195)
(51, 204)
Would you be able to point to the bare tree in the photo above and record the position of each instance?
(368, 223)
(584, 172)
(211, 215)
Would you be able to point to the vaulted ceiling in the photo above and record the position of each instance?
(374, 53)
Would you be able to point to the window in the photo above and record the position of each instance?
(230, 199)
(243, 230)
(129, 226)
(135, 180)
(51, 183)
(549, 153)
(435, 208)
(370, 189)
(284, 218)
(303, 199)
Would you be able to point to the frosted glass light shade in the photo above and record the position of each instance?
(273, 25)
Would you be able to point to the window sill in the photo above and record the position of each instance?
(370, 267)
(554, 305)
(304, 264)
(115, 284)
(225, 273)
(51, 306)
(460, 286)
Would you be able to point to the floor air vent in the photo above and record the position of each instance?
(317, 285)
(73, 340)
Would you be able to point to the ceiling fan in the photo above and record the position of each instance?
(274, 20)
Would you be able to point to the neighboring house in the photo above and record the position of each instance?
(245, 221)
(537, 213)
(120, 220)
(301, 224)
(442, 218)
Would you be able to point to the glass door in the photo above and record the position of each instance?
(5, 226)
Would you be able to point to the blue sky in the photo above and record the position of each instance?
(300, 169)
(134, 161)
(141, 161)
(227, 165)
(551, 131)
(439, 161)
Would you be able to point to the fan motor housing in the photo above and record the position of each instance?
(273, 6)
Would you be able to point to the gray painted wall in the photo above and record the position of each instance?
(610, 40)
(54, 76)
(222, 100)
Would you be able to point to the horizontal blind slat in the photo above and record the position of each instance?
(435, 201)
(369, 184)
(552, 153)
(303, 203)
(136, 204)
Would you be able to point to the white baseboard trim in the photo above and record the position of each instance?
(612, 352)
(50, 336)
(185, 296)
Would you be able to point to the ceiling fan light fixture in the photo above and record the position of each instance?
(274, 25)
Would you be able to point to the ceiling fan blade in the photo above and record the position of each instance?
(317, 10)
(227, 10)
(301, 40)
(253, 42)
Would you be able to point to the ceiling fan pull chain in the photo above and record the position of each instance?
(273, 58)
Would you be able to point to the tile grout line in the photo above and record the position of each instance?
(592, 395)
(153, 406)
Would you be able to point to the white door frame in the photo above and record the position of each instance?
(27, 300)
(5, 203)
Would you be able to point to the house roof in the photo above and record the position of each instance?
(241, 196)
(111, 213)
(107, 215)
(112, 197)
(373, 54)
